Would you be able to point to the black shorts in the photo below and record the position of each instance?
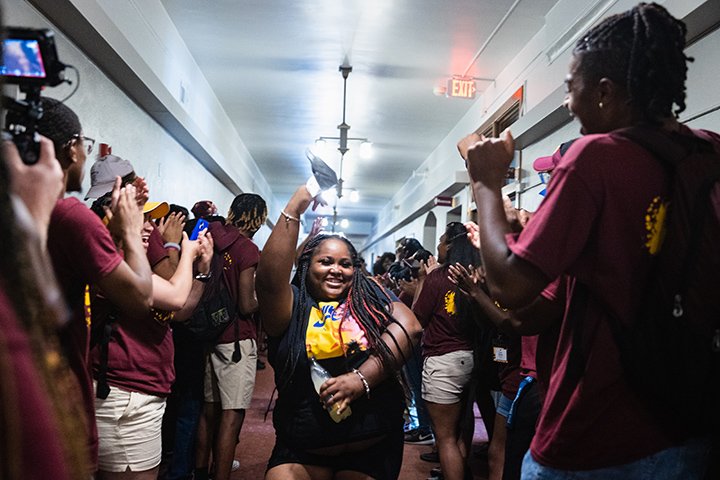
(381, 461)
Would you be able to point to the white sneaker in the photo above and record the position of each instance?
(235, 466)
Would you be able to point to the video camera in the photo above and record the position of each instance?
(30, 60)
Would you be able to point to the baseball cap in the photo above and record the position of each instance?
(548, 163)
(204, 208)
(156, 209)
(103, 174)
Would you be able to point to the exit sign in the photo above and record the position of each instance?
(461, 87)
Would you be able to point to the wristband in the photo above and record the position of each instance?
(289, 218)
(364, 382)
(313, 187)
(173, 245)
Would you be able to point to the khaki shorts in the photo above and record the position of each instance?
(129, 425)
(228, 382)
(446, 377)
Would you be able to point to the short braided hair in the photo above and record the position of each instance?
(248, 211)
(641, 50)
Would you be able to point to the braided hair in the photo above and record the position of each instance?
(461, 251)
(367, 303)
(248, 212)
(642, 50)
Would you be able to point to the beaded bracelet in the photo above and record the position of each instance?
(364, 382)
(289, 218)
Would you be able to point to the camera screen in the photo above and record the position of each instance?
(22, 58)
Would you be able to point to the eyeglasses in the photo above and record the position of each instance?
(88, 142)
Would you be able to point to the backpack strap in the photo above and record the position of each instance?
(237, 353)
(103, 389)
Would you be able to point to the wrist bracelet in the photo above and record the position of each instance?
(173, 245)
(364, 382)
(203, 277)
(289, 218)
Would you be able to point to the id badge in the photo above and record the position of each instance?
(500, 355)
(499, 345)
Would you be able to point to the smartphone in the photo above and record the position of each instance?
(201, 225)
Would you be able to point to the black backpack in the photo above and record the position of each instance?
(216, 308)
(671, 352)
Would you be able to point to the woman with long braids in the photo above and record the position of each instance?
(600, 224)
(447, 351)
(355, 330)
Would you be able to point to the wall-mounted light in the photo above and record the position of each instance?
(354, 196)
(366, 150)
(344, 223)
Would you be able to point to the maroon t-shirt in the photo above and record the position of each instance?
(41, 453)
(596, 225)
(141, 350)
(156, 250)
(538, 351)
(509, 373)
(82, 252)
(436, 311)
(239, 253)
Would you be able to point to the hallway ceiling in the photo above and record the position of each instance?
(274, 67)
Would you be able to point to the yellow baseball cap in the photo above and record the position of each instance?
(156, 209)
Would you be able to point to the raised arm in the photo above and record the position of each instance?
(202, 266)
(513, 281)
(129, 285)
(272, 280)
(173, 293)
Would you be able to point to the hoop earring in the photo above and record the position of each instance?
(600, 105)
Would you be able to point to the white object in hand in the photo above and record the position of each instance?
(319, 376)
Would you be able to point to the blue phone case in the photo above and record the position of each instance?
(201, 225)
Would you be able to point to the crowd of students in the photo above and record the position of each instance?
(93, 304)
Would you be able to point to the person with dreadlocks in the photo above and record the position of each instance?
(447, 351)
(231, 364)
(596, 226)
(354, 329)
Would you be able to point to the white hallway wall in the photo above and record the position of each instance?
(109, 116)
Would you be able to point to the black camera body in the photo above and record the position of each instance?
(29, 60)
(408, 268)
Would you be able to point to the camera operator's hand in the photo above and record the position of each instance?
(39, 186)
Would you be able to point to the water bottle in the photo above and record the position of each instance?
(319, 376)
